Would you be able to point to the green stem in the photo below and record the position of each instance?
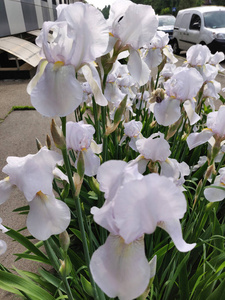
(67, 287)
(78, 210)
(63, 121)
(157, 79)
(105, 138)
(97, 127)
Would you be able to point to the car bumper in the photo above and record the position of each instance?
(217, 45)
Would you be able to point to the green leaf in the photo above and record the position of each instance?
(26, 243)
(218, 294)
(32, 290)
(196, 284)
(179, 268)
(22, 208)
(221, 267)
(51, 254)
(38, 279)
(55, 281)
(8, 287)
(120, 110)
(87, 286)
(78, 234)
(32, 257)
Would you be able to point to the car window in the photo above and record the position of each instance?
(166, 20)
(195, 23)
(214, 19)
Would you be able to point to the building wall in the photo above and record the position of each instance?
(18, 16)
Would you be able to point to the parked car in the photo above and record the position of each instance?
(200, 25)
(166, 24)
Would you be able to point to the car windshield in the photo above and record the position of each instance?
(214, 19)
(166, 20)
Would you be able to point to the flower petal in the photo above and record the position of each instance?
(3, 247)
(91, 162)
(155, 147)
(87, 25)
(137, 27)
(213, 193)
(167, 112)
(5, 189)
(173, 227)
(109, 177)
(119, 269)
(198, 138)
(34, 172)
(79, 135)
(138, 68)
(140, 205)
(190, 110)
(58, 92)
(92, 77)
(47, 216)
(2, 228)
(104, 217)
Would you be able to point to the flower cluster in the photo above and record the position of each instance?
(129, 146)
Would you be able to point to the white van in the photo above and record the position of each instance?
(200, 25)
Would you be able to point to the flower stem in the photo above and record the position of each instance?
(78, 210)
(105, 138)
(97, 127)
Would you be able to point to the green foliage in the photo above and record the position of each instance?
(105, 11)
(196, 275)
(165, 7)
(165, 11)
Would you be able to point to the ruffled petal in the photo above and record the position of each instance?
(140, 205)
(137, 27)
(88, 27)
(79, 135)
(47, 216)
(198, 55)
(184, 84)
(155, 147)
(119, 269)
(34, 172)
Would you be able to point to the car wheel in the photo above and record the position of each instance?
(176, 49)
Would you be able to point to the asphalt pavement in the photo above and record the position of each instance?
(18, 130)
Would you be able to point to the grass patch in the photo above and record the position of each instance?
(18, 108)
